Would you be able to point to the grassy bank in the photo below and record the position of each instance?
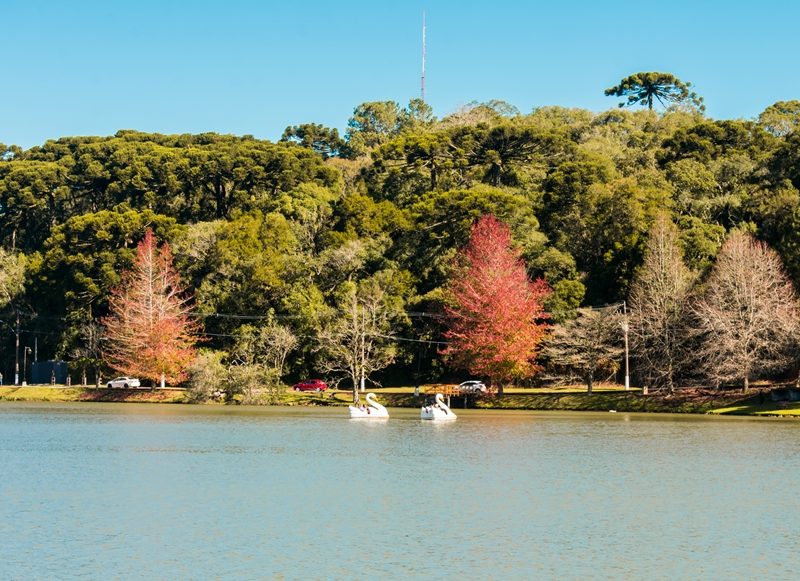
(50, 393)
(605, 398)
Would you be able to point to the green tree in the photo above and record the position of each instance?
(33, 199)
(443, 222)
(83, 257)
(247, 264)
(376, 122)
(781, 118)
(371, 125)
(776, 213)
(646, 88)
(323, 140)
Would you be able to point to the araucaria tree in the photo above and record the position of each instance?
(149, 331)
(748, 314)
(496, 318)
(659, 308)
(647, 88)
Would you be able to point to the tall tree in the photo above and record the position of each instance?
(496, 320)
(371, 125)
(748, 314)
(646, 88)
(323, 140)
(358, 340)
(587, 345)
(658, 304)
(149, 331)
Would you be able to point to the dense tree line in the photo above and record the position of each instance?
(302, 234)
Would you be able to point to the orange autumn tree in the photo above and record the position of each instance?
(496, 318)
(149, 331)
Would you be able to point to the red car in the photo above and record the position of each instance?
(310, 385)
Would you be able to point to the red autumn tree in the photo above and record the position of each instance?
(496, 321)
(149, 331)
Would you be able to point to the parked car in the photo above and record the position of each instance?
(124, 382)
(472, 387)
(310, 385)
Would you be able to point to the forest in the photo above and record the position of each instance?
(276, 243)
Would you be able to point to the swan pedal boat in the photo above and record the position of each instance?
(438, 411)
(373, 410)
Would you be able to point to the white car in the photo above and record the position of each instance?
(124, 382)
(472, 387)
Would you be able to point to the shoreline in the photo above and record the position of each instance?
(687, 401)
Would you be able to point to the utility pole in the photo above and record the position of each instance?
(16, 353)
(25, 367)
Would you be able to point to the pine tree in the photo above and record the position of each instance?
(149, 331)
(496, 321)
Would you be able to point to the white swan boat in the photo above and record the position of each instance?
(437, 411)
(373, 410)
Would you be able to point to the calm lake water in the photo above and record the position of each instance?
(126, 491)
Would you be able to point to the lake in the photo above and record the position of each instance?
(123, 491)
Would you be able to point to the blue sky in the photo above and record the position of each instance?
(86, 67)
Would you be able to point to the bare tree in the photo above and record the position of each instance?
(257, 360)
(658, 308)
(748, 313)
(587, 345)
(358, 341)
(267, 346)
(278, 342)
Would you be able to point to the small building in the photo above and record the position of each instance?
(46, 372)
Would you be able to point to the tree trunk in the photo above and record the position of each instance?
(746, 384)
(589, 383)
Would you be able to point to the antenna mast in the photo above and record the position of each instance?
(423, 57)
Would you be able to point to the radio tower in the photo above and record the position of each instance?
(423, 57)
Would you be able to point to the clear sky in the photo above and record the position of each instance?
(91, 67)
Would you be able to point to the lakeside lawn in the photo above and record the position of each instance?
(61, 393)
(780, 409)
(605, 397)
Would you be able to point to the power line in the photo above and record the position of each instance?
(393, 338)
